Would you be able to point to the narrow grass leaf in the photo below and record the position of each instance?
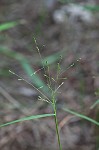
(35, 79)
(27, 118)
(97, 102)
(8, 25)
(92, 7)
(52, 58)
(81, 116)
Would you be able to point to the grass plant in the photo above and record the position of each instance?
(52, 100)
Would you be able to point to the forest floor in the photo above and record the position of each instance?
(78, 44)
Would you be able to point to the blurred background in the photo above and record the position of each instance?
(36, 32)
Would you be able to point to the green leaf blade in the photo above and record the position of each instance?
(81, 116)
(94, 105)
(8, 25)
(26, 119)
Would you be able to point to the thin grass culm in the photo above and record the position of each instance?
(56, 121)
(49, 80)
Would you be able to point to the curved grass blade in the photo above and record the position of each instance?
(8, 25)
(27, 68)
(52, 58)
(27, 118)
(92, 7)
(81, 116)
(94, 105)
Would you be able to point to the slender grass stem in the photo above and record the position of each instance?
(56, 121)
